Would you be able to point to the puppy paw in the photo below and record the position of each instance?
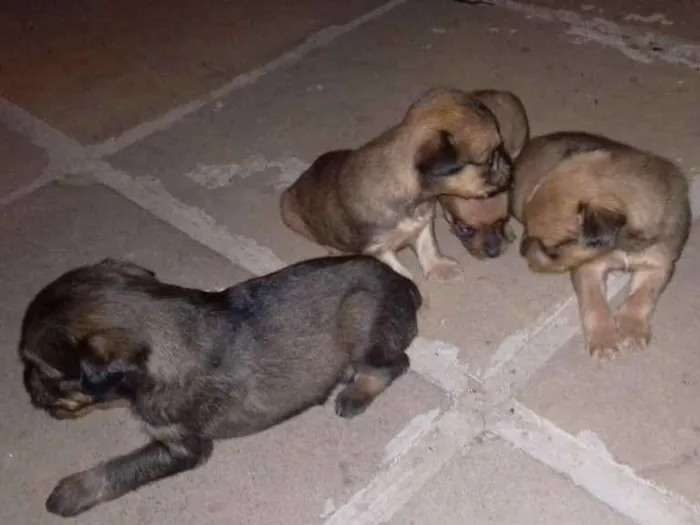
(445, 271)
(634, 331)
(76, 494)
(603, 344)
(350, 403)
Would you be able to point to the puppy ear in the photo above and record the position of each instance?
(108, 358)
(126, 267)
(599, 226)
(438, 157)
(510, 115)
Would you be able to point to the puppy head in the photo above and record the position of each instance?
(480, 224)
(73, 360)
(562, 236)
(460, 151)
(74, 379)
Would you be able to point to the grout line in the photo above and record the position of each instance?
(39, 133)
(26, 189)
(391, 489)
(545, 340)
(318, 40)
(593, 470)
(642, 47)
(65, 155)
(196, 223)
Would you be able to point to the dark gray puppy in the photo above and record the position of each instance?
(196, 366)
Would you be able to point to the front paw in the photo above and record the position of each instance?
(445, 270)
(603, 343)
(76, 494)
(634, 331)
(351, 402)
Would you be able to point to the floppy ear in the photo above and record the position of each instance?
(438, 157)
(599, 226)
(510, 115)
(109, 357)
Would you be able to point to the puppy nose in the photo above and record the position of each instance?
(492, 246)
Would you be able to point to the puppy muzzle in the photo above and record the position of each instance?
(492, 245)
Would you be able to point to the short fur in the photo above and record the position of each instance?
(381, 197)
(482, 224)
(196, 366)
(591, 205)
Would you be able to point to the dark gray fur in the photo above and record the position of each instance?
(197, 366)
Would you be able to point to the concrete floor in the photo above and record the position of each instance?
(503, 418)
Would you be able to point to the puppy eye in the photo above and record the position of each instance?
(465, 231)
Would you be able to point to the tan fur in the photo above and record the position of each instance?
(381, 197)
(482, 224)
(591, 205)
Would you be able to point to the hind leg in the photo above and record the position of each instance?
(369, 381)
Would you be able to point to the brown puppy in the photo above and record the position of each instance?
(591, 205)
(198, 366)
(482, 224)
(381, 197)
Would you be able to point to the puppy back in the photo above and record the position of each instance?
(582, 167)
(311, 205)
(544, 154)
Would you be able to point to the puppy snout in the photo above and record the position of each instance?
(492, 246)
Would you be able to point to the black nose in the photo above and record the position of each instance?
(492, 246)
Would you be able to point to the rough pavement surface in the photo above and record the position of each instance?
(503, 418)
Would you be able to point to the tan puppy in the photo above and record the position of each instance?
(591, 205)
(482, 224)
(381, 197)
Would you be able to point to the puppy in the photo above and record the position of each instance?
(591, 205)
(197, 366)
(482, 224)
(381, 197)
